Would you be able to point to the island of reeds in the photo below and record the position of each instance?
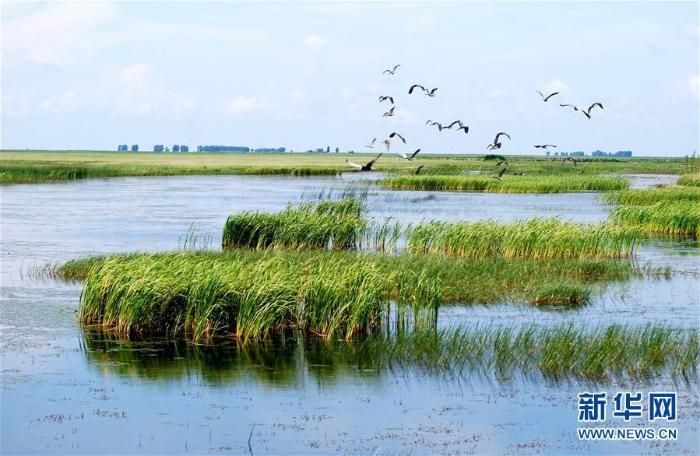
(507, 184)
(671, 210)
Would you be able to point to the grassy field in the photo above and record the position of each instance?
(252, 294)
(44, 166)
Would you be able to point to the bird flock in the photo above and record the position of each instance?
(502, 165)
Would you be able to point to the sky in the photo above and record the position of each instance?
(304, 75)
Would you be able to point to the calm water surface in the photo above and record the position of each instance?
(69, 391)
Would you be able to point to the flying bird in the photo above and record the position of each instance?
(431, 92)
(431, 123)
(409, 157)
(587, 112)
(396, 134)
(496, 143)
(413, 87)
(367, 167)
(546, 98)
(387, 143)
(385, 98)
(569, 106)
(544, 146)
(417, 171)
(371, 144)
(392, 71)
(456, 122)
(389, 113)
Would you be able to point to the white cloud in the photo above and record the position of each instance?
(138, 88)
(315, 42)
(56, 34)
(240, 105)
(694, 86)
(60, 103)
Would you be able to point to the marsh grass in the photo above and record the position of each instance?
(252, 294)
(35, 173)
(508, 184)
(330, 224)
(690, 180)
(248, 296)
(680, 218)
(645, 197)
(534, 238)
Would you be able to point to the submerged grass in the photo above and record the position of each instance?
(508, 184)
(329, 224)
(681, 217)
(253, 294)
(535, 238)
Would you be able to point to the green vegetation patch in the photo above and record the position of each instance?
(682, 218)
(648, 196)
(252, 294)
(330, 224)
(508, 184)
(535, 238)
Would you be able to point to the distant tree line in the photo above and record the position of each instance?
(595, 153)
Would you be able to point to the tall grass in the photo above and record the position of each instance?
(535, 238)
(253, 294)
(249, 296)
(644, 197)
(329, 224)
(691, 180)
(681, 217)
(508, 184)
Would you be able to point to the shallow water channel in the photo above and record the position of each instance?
(65, 390)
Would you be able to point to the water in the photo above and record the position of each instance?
(63, 388)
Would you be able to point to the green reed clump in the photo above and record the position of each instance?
(330, 224)
(561, 295)
(648, 196)
(691, 180)
(508, 184)
(247, 295)
(682, 218)
(535, 238)
(558, 352)
(460, 280)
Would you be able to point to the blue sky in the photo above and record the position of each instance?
(307, 75)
